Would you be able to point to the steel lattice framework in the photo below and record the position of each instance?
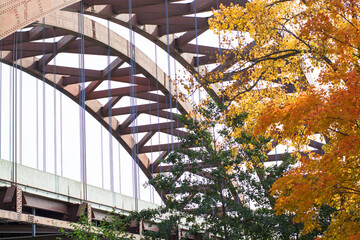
(172, 25)
(149, 20)
(178, 27)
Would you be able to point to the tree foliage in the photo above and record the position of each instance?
(210, 186)
(273, 49)
(112, 227)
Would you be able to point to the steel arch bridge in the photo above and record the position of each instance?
(148, 19)
(172, 25)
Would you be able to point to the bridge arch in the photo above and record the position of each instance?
(61, 19)
(185, 22)
(67, 79)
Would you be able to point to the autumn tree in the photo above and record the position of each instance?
(294, 67)
(211, 186)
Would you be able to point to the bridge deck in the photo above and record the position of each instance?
(56, 200)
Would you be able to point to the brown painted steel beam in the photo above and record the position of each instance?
(124, 125)
(174, 131)
(200, 188)
(188, 36)
(280, 156)
(187, 167)
(145, 139)
(111, 103)
(157, 162)
(36, 33)
(204, 4)
(91, 87)
(206, 175)
(106, 74)
(124, 91)
(179, 20)
(206, 50)
(34, 201)
(173, 29)
(138, 108)
(136, 80)
(92, 50)
(151, 127)
(31, 46)
(163, 114)
(9, 194)
(60, 45)
(26, 54)
(71, 71)
(244, 51)
(154, 98)
(204, 60)
(113, 66)
(121, 75)
(316, 144)
(159, 147)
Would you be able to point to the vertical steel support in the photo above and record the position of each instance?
(141, 228)
(89, 212)
(18, 203)
(33, 226)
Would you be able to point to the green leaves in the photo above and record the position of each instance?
(112, 227)
(212, 186)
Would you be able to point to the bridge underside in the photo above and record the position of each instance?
(55, 203)
(32, 39)
(171, 25)
(33, 33)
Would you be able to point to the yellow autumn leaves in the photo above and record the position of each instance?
(273, 47)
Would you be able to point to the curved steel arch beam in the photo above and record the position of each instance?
(153, 28)
(119, 46)
(16, 14)
(147, 31)
(67, 23)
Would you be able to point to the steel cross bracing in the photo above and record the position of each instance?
(67, 78)
(149, 20)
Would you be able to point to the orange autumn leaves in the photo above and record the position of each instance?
(331, 179)
(292, 38)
